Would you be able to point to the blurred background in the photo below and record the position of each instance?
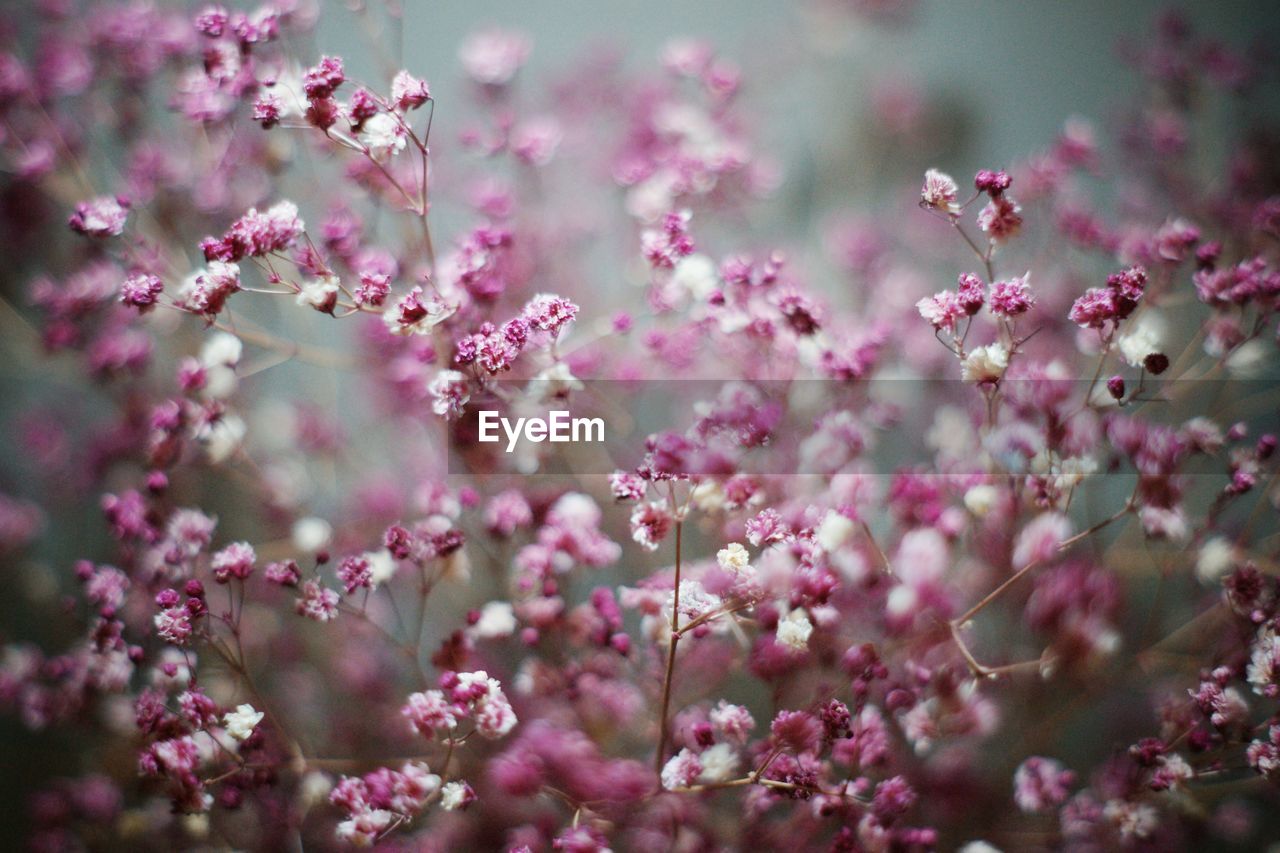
(989, 82)
(1000, 77)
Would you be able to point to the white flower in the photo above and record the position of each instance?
(707, 496)
(900, 601)
(1248, 360)
(320, 293)
(455, 795)
(553, 382)
(980, 499)
(196, 825)
(221, 349)
(220, 382)
(719, 763)
(951, 432)
(681, 770)
(383, 136)
(241, 722)
(497, 619)
(287, 86)
(985, 364)
(922, 557)
(1133, 820)
(733, 558)
(311, 534)
(653, 197)
(382, 566)
(1162, 523)
(1262, 662)
(222, 437)
(834, 531)
(1142, 339)
(1041, 538)
(315, 788)
(794, 630)
(696, 275)
(1175, 768)
(1215, 559)
(364, 827)
(449, 390)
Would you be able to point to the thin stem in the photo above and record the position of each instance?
(985, 257)
(671, 658)
(955, 625)
(884, 558)
(1062, 546)
(714, 614)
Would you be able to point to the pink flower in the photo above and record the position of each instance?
(268, 110)
(257, 234)
(429, 712)
(972, 293)
(450, 392)
(492, 712)
(141, 291)
(1040, 784)
(373, 289)
(321, 80)
(507, 512)
(992, 183)
(650, 523)
(283, 573)
(942, 310)
(1001, 219)
(318, 602)
(1095, 308)
(681, 770)
(1039, 540)
(549, 313)
(408, 92)
(173, 624)
(234, 561)
(492, 57)
(417, 314)
(626, 486)
(940, 192)
(355, 573)
(1011, 297)
(100, 217)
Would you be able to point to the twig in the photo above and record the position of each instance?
(671, 658)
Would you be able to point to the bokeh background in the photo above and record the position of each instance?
(993, 80)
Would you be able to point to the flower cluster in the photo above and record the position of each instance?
(869, 560)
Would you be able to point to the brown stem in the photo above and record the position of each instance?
(955, 625)
(985, 257)
(671, 658)
(714, 614)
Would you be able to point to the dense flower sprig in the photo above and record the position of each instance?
(782, 621)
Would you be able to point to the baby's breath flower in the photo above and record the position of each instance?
(100, 217)
(383, 136)
(319, 293)
(456, 796)
(940, 193)
(733, 558)
(794, 630)
(985, 364)
(241, 722)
